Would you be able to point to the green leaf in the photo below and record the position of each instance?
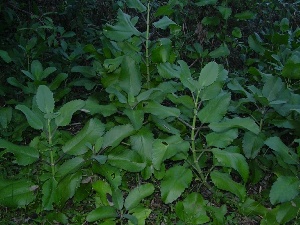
(185, 76)
(161, 111)
(4, 55)
(47, 72)
(222, 51)
(285, 24)
(66, 187)
(5, 116)
(224, 182)
(141, 214)
(252, 143)
(137, 195)
(255, 44)
(136, 117)
(103, 212)
(115, 135)
(164, 10)
(215, 109)
(56, 217)
(246, 15)
(69, 166)
(163, 23)
(210, 21)
(37, 70)
(205, 2)
(89, 134)
(175, 181)
(28, 74)
(130, 78)
(168, 70)
(44, 99)
(167, 148)
(127, 160)
(284, 189)
(86, 71)
(92, 106)
(211, 91)
(282, 150)
(234, 160)
(58, 80)
(288, 211)
(123, 30)
(66, 112)
(145, 95)
(131, 219)
(243, 123)
(117, 198)
(32, 119)
(103, 189)
(291, 68)
(236, 32)
(162, 51)
(192, 210)
(111, 174)
(25, 155)
(136, 4)
(165, 126)
(225, 11)
(16, 193)
(218, 214)
(223, 139)
(273, 89)
(142, 144)
(112, 64)
(252, 207)
(208, 74)
(48, 192)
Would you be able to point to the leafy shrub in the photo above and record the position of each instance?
(118, 127)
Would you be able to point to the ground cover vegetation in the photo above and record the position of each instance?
(150, 112)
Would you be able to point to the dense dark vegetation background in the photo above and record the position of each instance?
(149, 112)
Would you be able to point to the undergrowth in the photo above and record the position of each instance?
(146, 112)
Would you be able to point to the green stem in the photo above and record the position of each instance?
(194, 152)
(51, 151)
(147, 45)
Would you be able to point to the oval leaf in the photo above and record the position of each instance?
(49, 191)
(284, 189)
(244, 123)
(89, 134)
(137, 195)
(175, 181)
(32, 119)
(116, 134)
(208, 74)
(224, 182)
(192, 209)
(103, 212)
(16, 193)
(25, 155)
(233, 160)
(66, 112)
(163, 23)
(215, 109)
(127, 160)
(44, 99)
(69, 166)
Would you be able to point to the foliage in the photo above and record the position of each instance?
(140, 122)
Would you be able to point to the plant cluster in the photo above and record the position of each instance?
(162, 116)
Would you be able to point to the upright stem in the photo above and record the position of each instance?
(51, 151)
(195, 158)
(147, 45)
